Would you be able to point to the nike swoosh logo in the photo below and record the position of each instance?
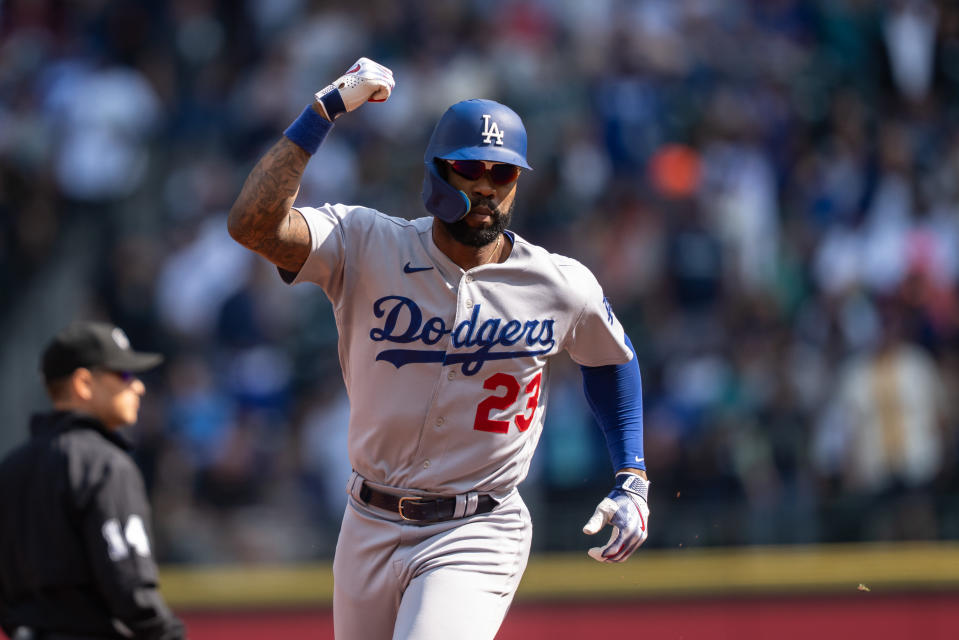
(642, 520)
(409, 269)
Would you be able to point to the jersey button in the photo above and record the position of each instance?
(469, 304)
(469, 279)
(450, 375)
(426, 465)
(440, 421)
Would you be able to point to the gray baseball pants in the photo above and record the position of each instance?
(403, 581)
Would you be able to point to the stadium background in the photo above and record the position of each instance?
(767, 189)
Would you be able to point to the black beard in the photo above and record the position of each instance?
(470, 236)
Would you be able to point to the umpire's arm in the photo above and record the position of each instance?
(116, 527)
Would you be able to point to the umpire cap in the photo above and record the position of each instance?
(470, 130)
(93, 344)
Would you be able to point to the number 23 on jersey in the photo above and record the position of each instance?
(523, 418)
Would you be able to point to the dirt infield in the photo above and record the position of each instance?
(933, 616)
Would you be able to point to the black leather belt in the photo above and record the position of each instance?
(418, 509)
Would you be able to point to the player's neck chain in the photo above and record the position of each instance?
(495, 253)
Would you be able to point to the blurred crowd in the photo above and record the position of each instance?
(768, 191)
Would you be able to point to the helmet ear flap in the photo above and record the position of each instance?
(442, 199)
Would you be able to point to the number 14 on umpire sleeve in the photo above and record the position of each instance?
(501, 402)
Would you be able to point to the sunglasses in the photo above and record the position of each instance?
(499, 173)
(126, 376)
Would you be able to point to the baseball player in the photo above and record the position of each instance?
(447, 324)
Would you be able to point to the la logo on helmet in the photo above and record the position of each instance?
(491, 130)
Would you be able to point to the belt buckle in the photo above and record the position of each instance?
(404, 500)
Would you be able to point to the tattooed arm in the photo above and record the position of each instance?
(262, 219)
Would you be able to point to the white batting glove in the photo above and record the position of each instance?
(626, 510)
(366, 81)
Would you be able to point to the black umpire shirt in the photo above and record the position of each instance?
(75, 541)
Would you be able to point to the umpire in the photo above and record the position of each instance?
(75, 547)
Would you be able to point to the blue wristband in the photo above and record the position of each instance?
(309, 130)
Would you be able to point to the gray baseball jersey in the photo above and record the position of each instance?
(446, 369)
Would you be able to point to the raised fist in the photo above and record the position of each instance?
(366, 81)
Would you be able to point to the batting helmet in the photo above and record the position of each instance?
(470, 130)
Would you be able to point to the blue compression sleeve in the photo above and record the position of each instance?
(615, 394)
